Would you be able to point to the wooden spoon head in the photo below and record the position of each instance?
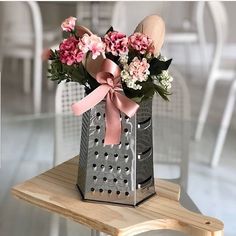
(154, 27)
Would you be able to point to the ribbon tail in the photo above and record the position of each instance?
(125, 104)
(90, 100)
(113, 124)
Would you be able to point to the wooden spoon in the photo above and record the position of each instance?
(154, 27)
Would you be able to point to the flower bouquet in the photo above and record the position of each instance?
(120, 75)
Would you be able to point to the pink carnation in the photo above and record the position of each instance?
(69, 52)
(116, 43)
(68, 24)
(141, 42)
(139, 69)
(92, 43)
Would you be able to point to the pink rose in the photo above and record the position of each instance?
(116, 43)
(139, 69)
(69, 52)
(68, 24)
(92, 43)
(141, 43)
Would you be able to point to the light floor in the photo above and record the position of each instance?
(27, 150)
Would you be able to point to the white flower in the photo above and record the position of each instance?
(162, 58)
(123, 59)
(133, 85)
(165, 79)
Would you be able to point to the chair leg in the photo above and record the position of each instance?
(205, 106)
(37, 84)
(224, 126)
(26, 75)
(201, 33)
(1, 62)
(38, 43)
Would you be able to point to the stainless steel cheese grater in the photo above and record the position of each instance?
(121, 173)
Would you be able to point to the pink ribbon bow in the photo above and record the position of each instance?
(109, 78)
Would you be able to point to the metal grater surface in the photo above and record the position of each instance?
(117, 173)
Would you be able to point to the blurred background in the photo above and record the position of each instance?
(195, 131)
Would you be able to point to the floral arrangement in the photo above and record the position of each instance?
(142, 73)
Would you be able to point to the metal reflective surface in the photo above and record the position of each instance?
(117, 173)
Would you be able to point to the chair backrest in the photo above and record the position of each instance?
(95, 15)
(22, 22)
(67, 125)
(124, 12)
(171, 129)
(170, 125)
(220, 21)
(17, 22)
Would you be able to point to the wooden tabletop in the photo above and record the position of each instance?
(55, 191)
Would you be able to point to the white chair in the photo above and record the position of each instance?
(23, 38)
(224, 125)
(171, 131)
(216, 73)
(191, 30)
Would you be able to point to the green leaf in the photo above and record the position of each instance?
(157, 66)
(109, 30)
(162, 92)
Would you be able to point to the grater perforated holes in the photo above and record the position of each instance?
(125, 181)
(92, 189)
(102, 166)
(98, 127)
(94, 177)
(110, 167)
(106, 154)
(115, 155)
(109, 191)
(100, 190)
(94, 166)
(98, 114)
(115, 180)
(126, 193)
(126, 156)
(118, 192)
(126, 169)
(118, 168)
(96, 141)
(104, 179)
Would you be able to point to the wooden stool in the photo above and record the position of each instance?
(55, 190)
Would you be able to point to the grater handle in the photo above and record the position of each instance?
(145, 183)
(145, 124)
(146, 154)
